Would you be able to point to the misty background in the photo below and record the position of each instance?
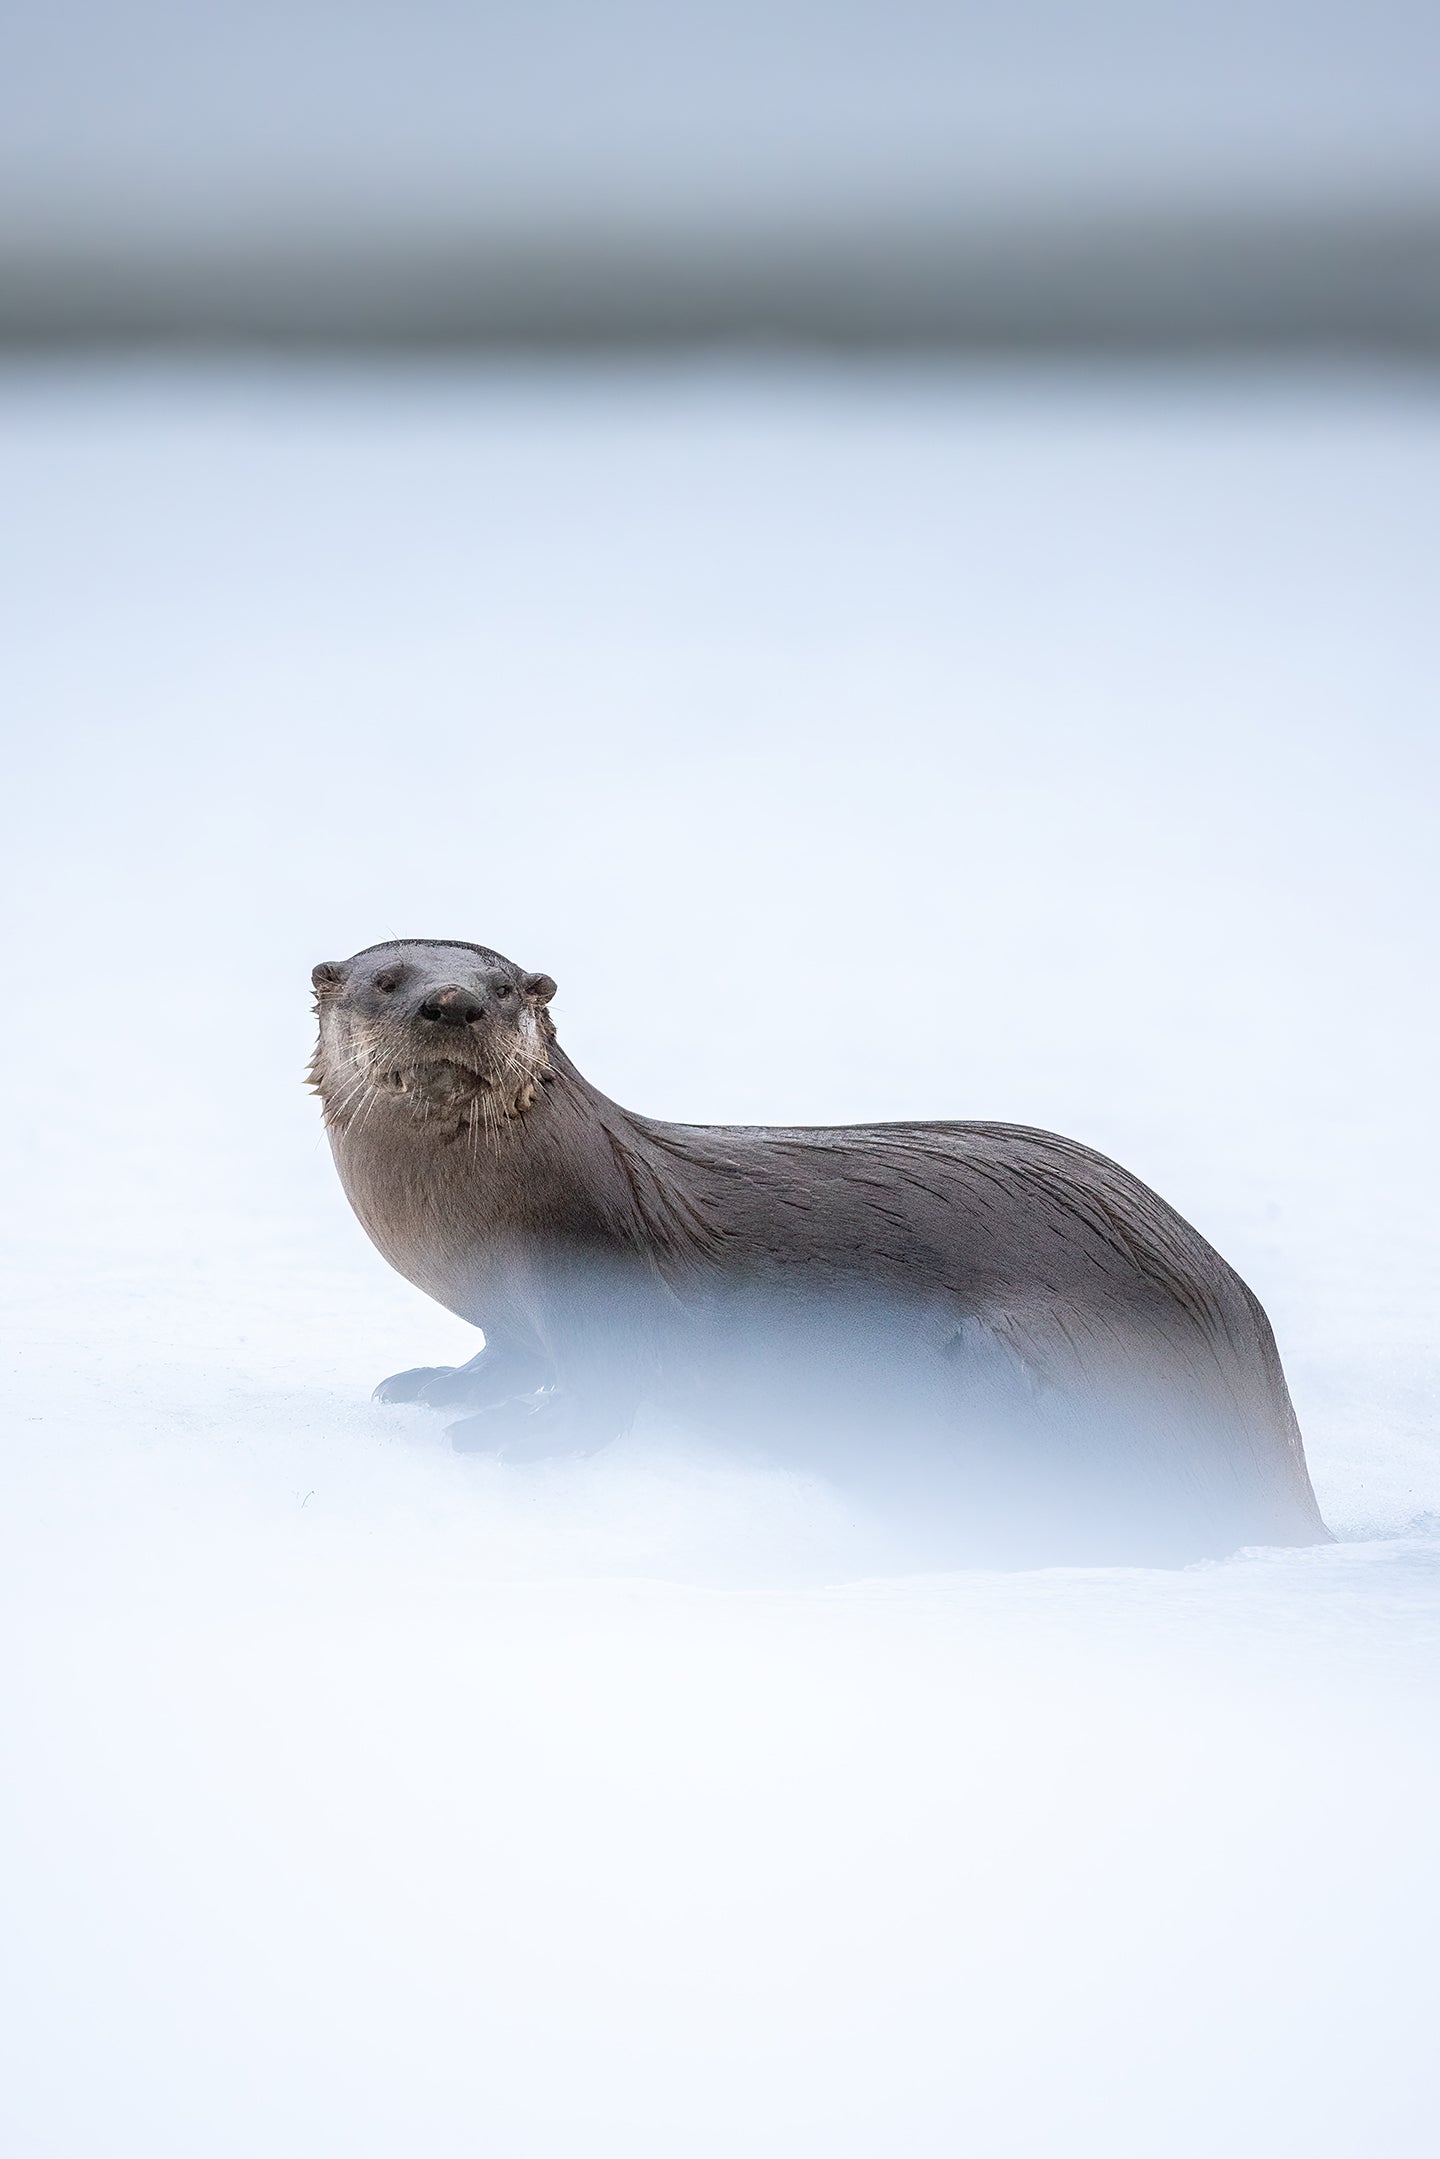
(1153, 171)
(893, 553)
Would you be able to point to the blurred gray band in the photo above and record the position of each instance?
(1368, 280)
(1170, 173)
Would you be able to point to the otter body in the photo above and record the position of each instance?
(995, 1324)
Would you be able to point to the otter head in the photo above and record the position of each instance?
(448, 1032)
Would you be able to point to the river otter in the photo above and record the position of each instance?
(996, 1322)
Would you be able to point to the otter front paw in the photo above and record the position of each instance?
(495, 1430)
(411, 1386)
(536, 1428)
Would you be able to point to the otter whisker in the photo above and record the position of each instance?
(336, 1109)
(364, 1117)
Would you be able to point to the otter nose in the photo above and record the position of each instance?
(452, 1007)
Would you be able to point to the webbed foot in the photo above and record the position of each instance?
(495, 1430)
(412, 1386)
(488, 1381)
(535, 1428)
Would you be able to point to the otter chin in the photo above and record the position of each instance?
(994, 1333)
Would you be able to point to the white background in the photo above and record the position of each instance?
(878, 743)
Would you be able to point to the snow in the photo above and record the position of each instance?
(847, 743)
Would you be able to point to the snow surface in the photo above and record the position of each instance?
(848, 744)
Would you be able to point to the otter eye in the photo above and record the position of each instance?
(505, 990)
(388, 978)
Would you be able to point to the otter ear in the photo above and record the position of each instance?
(328, 975)
(539, 988)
